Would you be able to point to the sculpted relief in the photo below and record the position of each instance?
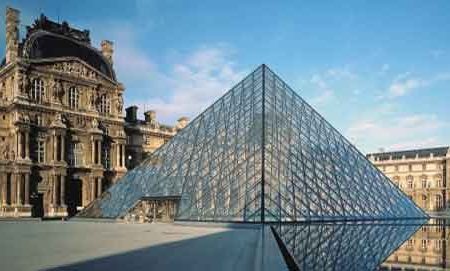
(76, 68)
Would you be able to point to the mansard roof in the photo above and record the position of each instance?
(409, 154)
(49, 39)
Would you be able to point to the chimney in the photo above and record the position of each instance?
(131, 114)
(150, 116)
(107, 50)
(12, 34)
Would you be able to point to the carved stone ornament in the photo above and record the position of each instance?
(75, 68)
(58, 122)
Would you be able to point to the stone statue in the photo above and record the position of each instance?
(120, 104)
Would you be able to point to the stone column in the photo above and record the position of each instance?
(27, 189)
(13, 188)
(3, 177)
(99, 187)
(55, 148)
(27, 145)
(63, 190)
(19, 186)
(93, 189)
(19, 151)
(93, 151)
(54, 194)
(123, 154)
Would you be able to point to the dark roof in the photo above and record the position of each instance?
(422, 153)
(42, 44)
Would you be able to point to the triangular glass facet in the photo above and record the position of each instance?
(260, 153)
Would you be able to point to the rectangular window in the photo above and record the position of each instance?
(121, 155)
(23, 144)
(58, 148)
(96, 158)
(40, 151)
(8, 188)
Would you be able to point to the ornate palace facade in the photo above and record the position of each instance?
(145, 136)
(422, 174)
(62, 138)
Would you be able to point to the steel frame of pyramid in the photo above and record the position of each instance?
(260, 153)
(344, 245)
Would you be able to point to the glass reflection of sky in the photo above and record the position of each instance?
(342, 246)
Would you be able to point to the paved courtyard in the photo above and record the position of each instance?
(117, 246)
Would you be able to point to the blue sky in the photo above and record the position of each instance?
(379, 71)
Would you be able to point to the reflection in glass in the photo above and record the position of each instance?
(426, 250)
(342, 246)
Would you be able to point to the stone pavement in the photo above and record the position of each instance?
(59, 245)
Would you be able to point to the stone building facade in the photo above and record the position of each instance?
(145, 136)
(62, 138)
(422, 174)
(426, 250)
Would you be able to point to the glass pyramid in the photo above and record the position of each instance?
(342, 245)
(260, 153)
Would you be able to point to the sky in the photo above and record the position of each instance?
(378, 71)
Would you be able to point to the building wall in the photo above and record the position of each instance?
(145, 136)
(427, 249)
(62, 141)
(423, 179)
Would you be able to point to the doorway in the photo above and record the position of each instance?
(74, 196)
(37, 201)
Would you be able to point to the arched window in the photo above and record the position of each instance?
(74, 97)
(37, 91)
(424, 202)
(105, 105)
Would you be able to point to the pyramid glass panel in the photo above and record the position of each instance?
(260, 153)
(343, 245)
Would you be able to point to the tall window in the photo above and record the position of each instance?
(424, 182)
(40, 151)
(37, 90)
(424, 201)
(105, 105)
(424, 244)
(76, 154)
(121, 155)
(410, 182)
(59, 148)
(438, 202)
(106, 159)
(74, 97)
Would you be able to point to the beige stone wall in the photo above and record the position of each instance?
(422, 179)
(427, 249)
(144, 137)
(91, 123)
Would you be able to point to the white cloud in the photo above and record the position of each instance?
(325, 97)
(193, 83)
(405, 83)
(400, 88)
(412, 131)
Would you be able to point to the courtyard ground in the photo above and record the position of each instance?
(56, 245)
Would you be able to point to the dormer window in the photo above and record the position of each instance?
(37, 91)
(74, 97)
